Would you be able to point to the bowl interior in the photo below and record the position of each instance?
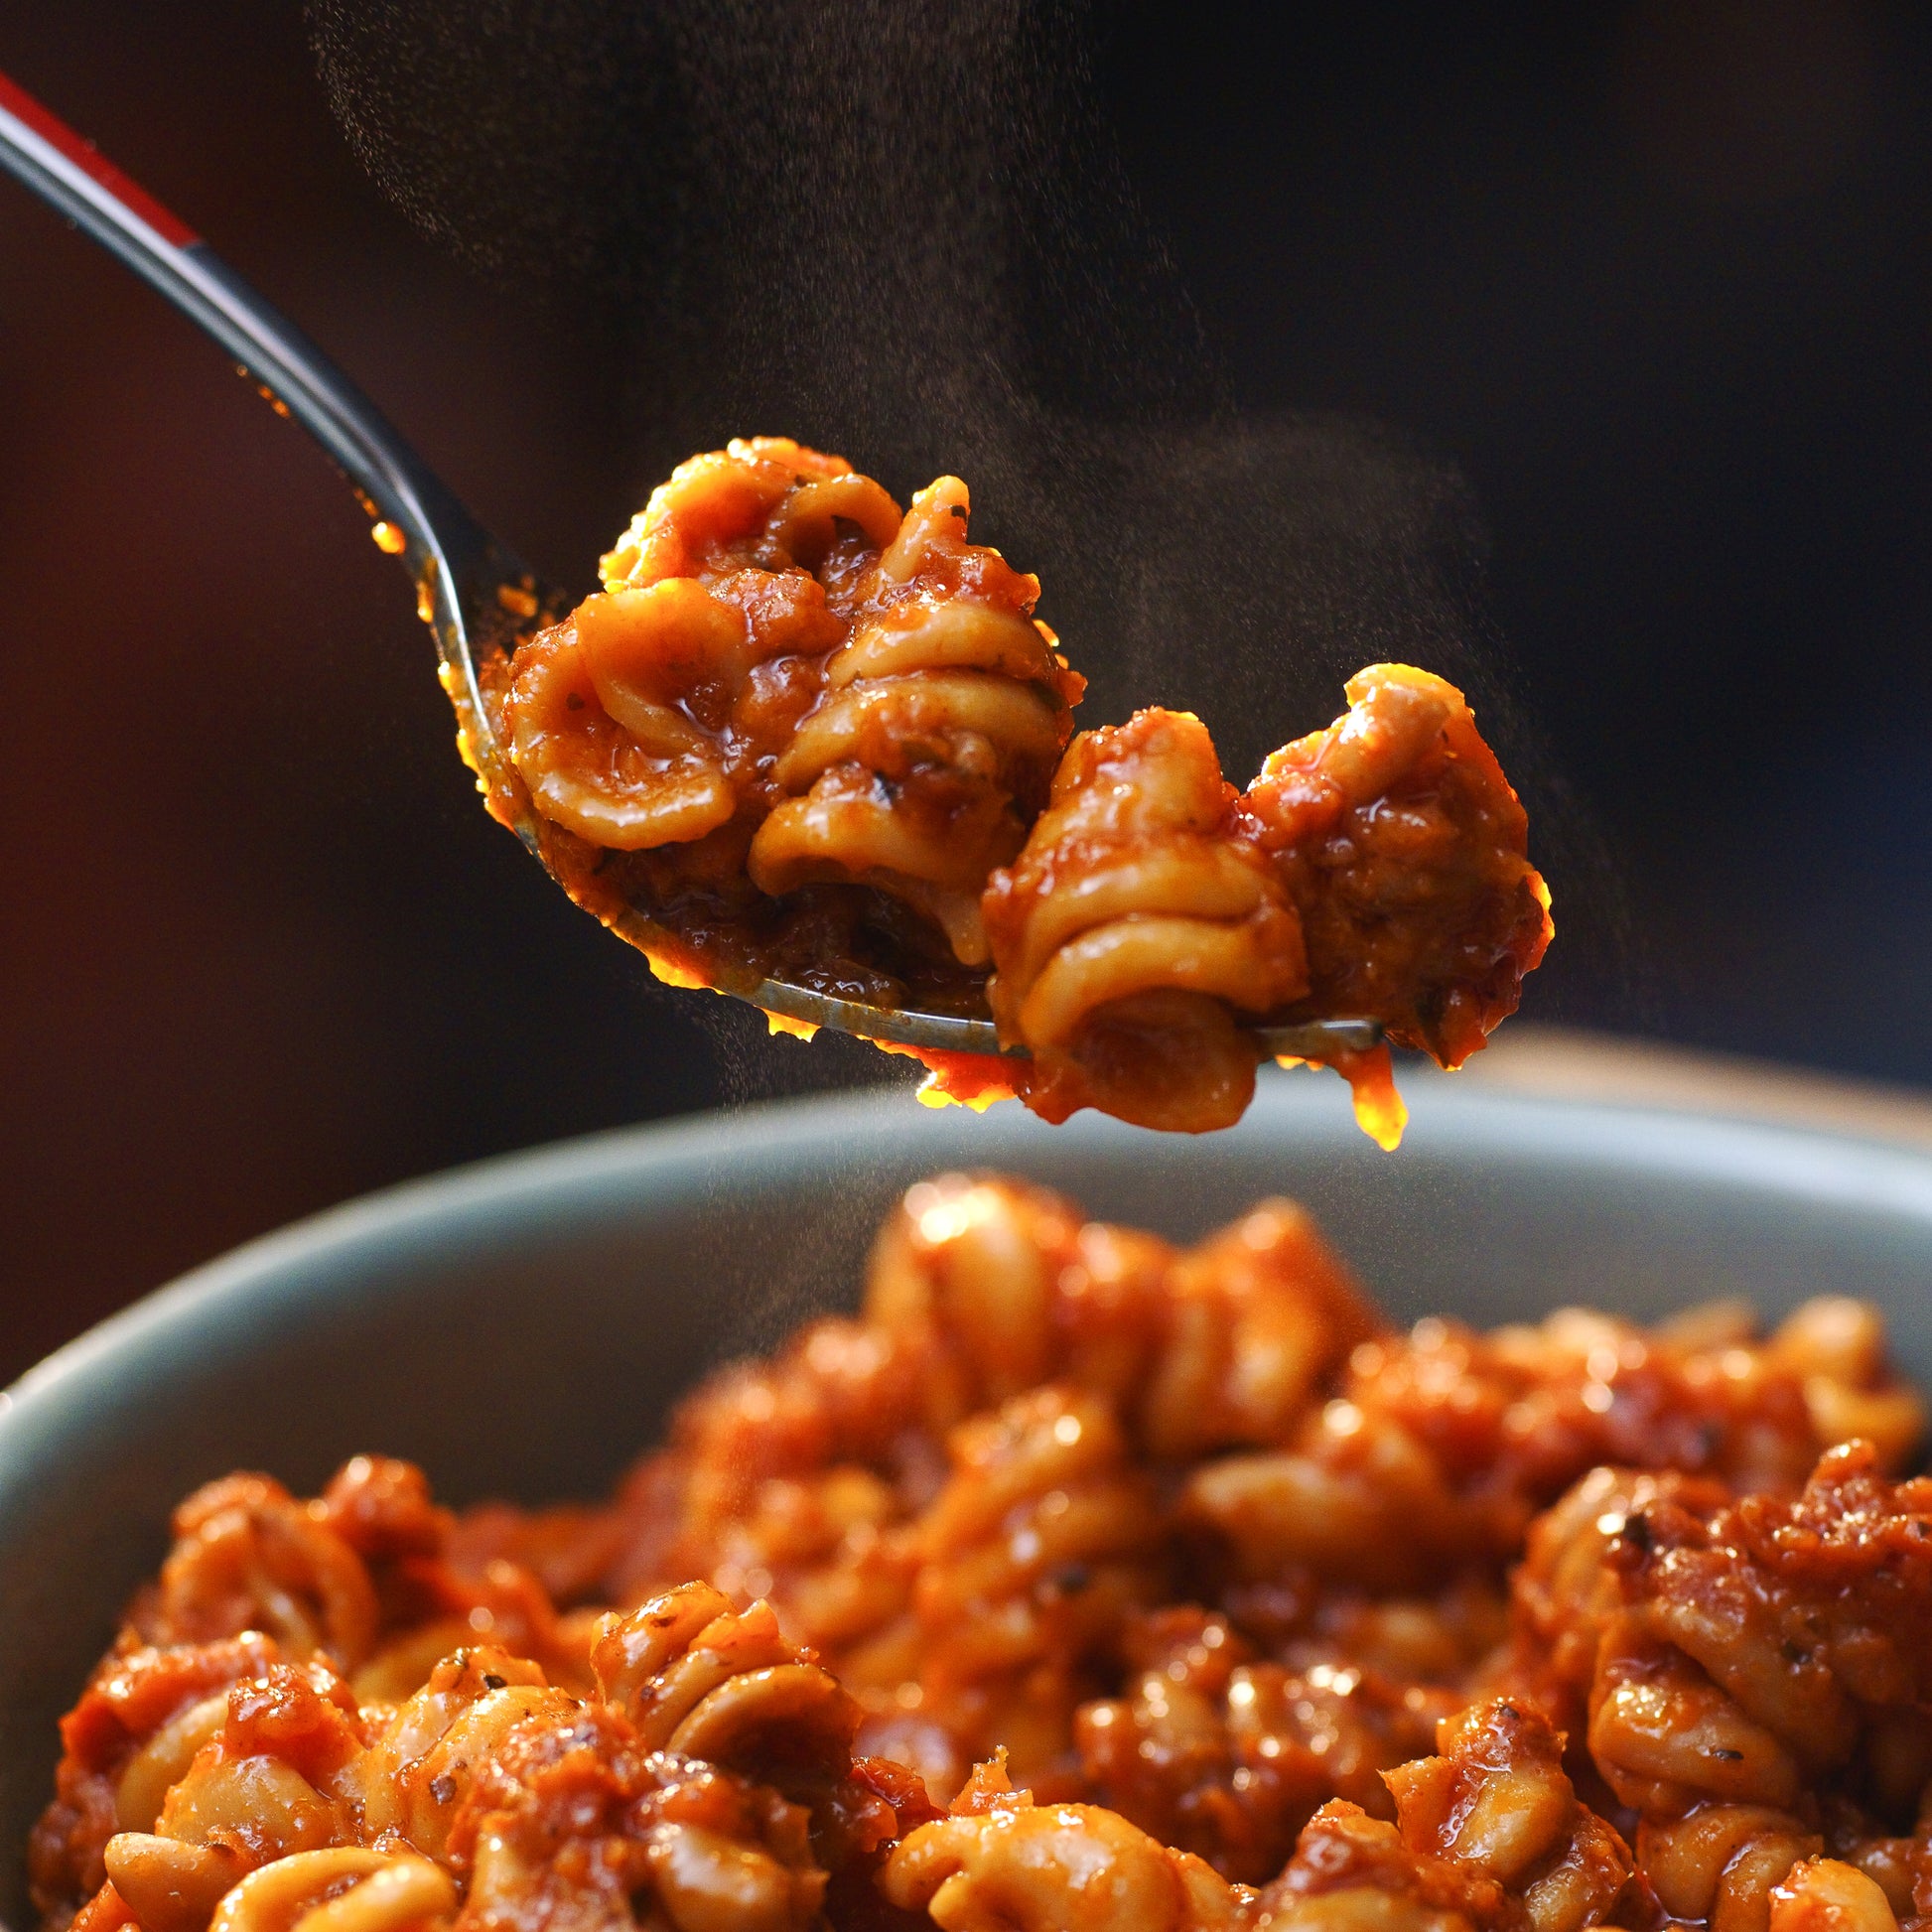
(518, 1328)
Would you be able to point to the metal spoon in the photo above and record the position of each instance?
(475, 595)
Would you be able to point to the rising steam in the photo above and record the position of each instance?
(904, 233)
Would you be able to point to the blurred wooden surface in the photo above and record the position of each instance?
(1558, 1063)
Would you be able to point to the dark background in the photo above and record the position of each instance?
(1654, 278)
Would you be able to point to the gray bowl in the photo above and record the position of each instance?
(518, 1327)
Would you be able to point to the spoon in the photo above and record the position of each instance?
(478, 598)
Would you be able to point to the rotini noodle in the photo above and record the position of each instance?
(1498, 1801)
(1376, 869)
(1828, 1895)
(1043, 1538)
(1404, 850)
(419, 1769)
(944, 714)
(1134, 927)
(347, 1890)
(1225, 1755)
(1282, 1619)
(811, 737)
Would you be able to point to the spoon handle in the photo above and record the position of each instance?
(466, 582)
(292, 374)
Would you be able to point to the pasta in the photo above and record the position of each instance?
(1078, 1582)
(1375, 869)
(1134, 928)
(1404, 848)
(817, 739)
(790, 690)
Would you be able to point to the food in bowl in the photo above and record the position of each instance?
(1078, 1582)
(821, 740)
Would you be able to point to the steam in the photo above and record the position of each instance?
(904, 233)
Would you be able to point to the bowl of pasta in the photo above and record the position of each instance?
(844, 1514)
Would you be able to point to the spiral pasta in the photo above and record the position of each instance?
(813, 738)
(1404, 850)
(637, 721)
(998, 1287)
(1079, 1581)
(800, 687)
(350, 1888)
(944, 714)
(1044, 1535)
(1132, 926)
(1225, 1754)
(1018, 1867)
(1373, 870)
(712, 1778)
(1497, 1803)
(1488, 1835)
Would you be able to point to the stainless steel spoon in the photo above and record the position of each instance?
(472, 592)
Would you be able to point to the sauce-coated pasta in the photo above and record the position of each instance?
(1079, 1582)
(815, 738)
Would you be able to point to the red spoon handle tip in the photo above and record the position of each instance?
(17, 101)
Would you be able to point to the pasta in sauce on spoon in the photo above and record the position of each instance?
(813, 751)
(818, 740)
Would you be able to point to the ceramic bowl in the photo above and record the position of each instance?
(518, 1327)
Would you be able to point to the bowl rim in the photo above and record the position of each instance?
(1658, 1108)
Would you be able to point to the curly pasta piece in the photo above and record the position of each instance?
(715, 1774)
(944, 714)
(840, 1392)
(136, 1730)
(1404, 850)
(1031, 1556)
(1018, 1867)
(418, 1770)
(636, 721)
(1828, 1895)
(1000, 1286)
(701, 1679)
(1228, 1757)
(248, 1555)
(1132, 930)
(1496, 1800)
(1376, 869)
(969, 1270)
(1259, 1318)
(1837, 1348)
(1721, 1864)
(572, 1822)
(1759, 1644)
(832, 1552)
(1563, 1594)
(1351, 1870)
(347, 1890)
(789, 1479)
(278, 1775)
(802, 686)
